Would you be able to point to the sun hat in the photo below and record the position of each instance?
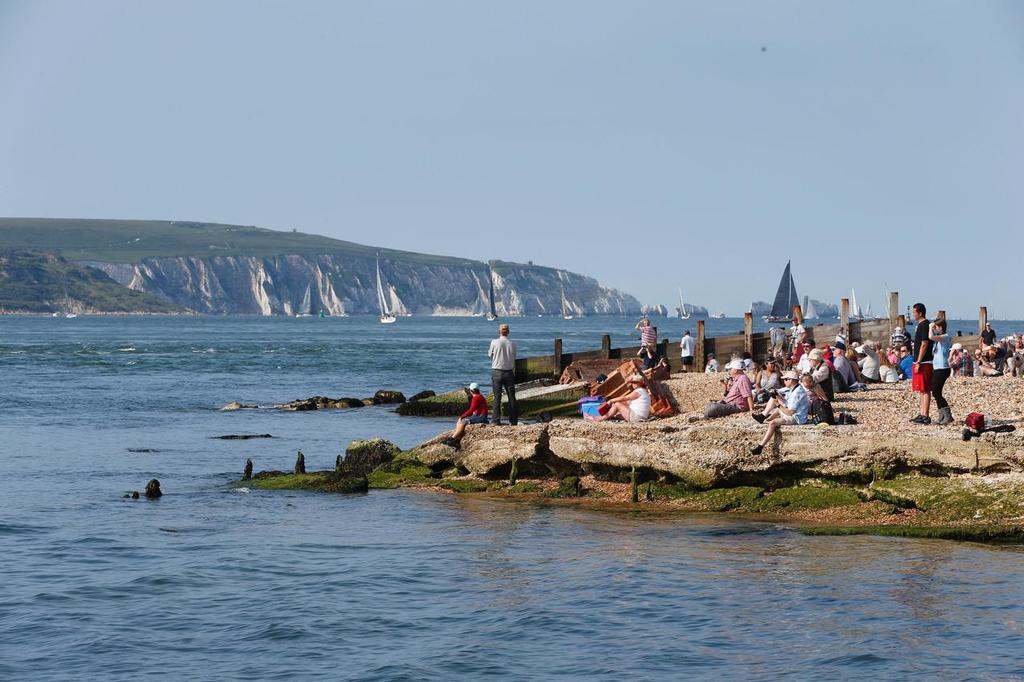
(816, 354)
(637, 379)
(958, 346)
(474, 386)
(734, 364)
(790, 374)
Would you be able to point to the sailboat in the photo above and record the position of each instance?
(386, 316)
(683, 315)
(565, 307)
(492, 314)
(808, 309)
(856, 314)
(717, 316)
(304, 309)
(785, 298)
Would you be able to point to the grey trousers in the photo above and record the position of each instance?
(720, 409)
(504, 379)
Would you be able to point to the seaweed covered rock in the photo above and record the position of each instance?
(421, 395)
(450, 404)
(383, 397)
(153, 489)
(363, 456)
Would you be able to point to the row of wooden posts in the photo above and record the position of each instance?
(754, 343)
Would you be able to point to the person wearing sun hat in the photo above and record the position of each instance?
(635, 406)
(476, 414)
(821, 373)
(792, 410)
(739, 393)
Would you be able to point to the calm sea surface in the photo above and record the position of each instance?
(211, 583)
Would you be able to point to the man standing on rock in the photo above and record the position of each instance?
(503, 364)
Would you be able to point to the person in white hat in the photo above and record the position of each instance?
(739, 393)
(476, 414)
(791, 411)
(868, 362)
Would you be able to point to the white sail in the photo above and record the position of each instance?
(386, 317)
(810, 313)
(683, 315)
(304, 307)
(855, 313)
(565, 306)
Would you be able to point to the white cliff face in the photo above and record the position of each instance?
(337, 285)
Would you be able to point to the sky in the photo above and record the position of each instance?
(652, 145)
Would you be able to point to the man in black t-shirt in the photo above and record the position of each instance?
(988, 335)
(921, 380)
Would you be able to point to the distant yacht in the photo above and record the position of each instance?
(71, 316)
(683, 315)
(565, 306)
(718, 316)
(386, 316)
(785, 298)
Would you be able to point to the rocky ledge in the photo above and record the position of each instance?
(880, 476)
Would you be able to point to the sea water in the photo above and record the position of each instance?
(218, 582)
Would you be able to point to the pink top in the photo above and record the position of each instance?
(740, 390)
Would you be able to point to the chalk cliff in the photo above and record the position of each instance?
(346, 284)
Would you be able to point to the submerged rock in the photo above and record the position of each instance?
(242, 436)
(235, 405)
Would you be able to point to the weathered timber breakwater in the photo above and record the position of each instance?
(877, 476)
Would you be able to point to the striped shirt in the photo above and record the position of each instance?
(648, 336)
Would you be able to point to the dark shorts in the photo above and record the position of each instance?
(476, 419)
(921, 379)
(687, 360)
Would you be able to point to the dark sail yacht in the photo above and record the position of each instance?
(785, 299)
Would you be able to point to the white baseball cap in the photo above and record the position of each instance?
(474, 386)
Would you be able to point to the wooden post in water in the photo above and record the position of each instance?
(901, 322)
(558, 358)
(748, 332)
(844, 317)
(894, 308)
(606, 346)
(698, 361)
(982, 319)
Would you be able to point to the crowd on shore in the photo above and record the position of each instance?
(796, 382)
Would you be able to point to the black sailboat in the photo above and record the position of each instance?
(785, 299)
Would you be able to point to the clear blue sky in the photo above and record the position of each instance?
(649, 144)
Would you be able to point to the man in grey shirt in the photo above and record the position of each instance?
(503, 364)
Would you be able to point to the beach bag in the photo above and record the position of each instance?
(975, 421)
(821, 413)
(839, 384)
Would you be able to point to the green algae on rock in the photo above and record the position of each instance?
(974, 533)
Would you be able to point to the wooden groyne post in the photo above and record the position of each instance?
(698, 361)
(748, 332)
(894, 308)
(982, 319)
(844, 317)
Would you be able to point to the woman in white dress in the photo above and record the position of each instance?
(632, 407)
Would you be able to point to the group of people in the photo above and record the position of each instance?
(797, 382)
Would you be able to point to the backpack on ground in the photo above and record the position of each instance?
(821, 413)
